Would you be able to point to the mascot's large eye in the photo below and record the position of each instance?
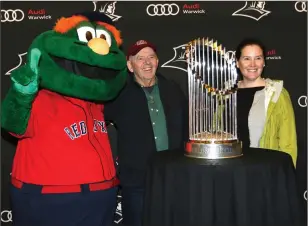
(104, 35)
(85, 34)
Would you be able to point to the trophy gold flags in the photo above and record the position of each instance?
(212, 93)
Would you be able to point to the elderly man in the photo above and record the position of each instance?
(150, 114)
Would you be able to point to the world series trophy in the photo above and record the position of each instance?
(212, 95)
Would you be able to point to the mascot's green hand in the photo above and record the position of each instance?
(26, 78)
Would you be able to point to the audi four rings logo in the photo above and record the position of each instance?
(12, 15)
(302, 101)
(301, 7)
(305, 195)
(6, 216)
(163, 9)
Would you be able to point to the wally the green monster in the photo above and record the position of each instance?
(63, 171)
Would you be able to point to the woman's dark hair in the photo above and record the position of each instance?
(248, 42)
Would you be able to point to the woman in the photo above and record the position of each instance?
(265, 113)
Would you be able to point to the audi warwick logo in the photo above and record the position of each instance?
(6, 216)
(163, 9)
(302, 101)
(301, 7)
(12, 15)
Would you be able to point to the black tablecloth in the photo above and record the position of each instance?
(257, 189)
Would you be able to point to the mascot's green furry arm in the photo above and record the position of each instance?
(16, 106)
(73, 39)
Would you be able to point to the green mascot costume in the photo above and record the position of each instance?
(63, 170)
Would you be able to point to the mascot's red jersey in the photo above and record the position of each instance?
(86, 156)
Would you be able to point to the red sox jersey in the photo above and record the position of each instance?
(66, 143)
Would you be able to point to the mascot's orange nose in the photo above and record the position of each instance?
(99, 46)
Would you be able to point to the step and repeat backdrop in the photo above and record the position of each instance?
(282, 26)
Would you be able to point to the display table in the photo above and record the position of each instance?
(257, 189)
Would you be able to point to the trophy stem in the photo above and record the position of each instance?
(212, 85)
(217, 94)
(204, 94)
(207, 88)
(195, 88)
(198, 119)
(226, 84)
(190, 91)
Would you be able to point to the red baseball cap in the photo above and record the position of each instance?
(137, 46)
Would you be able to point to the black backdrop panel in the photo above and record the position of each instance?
(281, 25)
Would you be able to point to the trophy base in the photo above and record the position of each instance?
(214, 150)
